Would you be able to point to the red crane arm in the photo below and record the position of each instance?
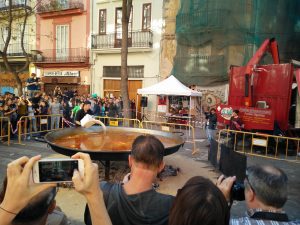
(268, 45)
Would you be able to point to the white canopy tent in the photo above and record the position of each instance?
(170, 86)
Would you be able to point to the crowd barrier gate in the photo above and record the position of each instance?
(186, 129)
(29, 125)
(261, 145)
(5, 130)
(119, 122)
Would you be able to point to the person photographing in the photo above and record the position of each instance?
(33, 85)
(266, 192)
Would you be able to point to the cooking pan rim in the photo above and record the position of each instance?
(148, 131)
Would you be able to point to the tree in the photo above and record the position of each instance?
(126, 10)
(9, 17)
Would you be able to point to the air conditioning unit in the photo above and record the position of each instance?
(261, 105)
(39, 58)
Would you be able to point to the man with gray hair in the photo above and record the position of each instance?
(265, 195)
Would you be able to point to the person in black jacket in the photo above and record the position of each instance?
(211, 124)
(82, 112)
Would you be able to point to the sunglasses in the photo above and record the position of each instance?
(248, 181)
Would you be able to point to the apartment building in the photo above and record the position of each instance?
(62, 56)
(144, 43)
(15, 55)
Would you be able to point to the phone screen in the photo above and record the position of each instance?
(53, 171)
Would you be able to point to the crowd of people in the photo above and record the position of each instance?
(134, 201)
(66, 103)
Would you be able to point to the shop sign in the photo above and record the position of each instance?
(61, 74)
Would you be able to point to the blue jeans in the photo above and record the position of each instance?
(210, 133)
(55, 122)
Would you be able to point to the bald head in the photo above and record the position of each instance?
(148, 149)
(269, 184)
(272, 170)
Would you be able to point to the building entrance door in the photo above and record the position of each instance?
(112, 88)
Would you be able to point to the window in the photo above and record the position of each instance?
(118, 23)
(115, 71)
(118, 27)
(62, 41)
(102, 21)
(4, 34)
(19, 32)
(146, 16)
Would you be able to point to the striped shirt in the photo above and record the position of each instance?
(250, 220)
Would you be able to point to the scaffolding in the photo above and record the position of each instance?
(214, 34)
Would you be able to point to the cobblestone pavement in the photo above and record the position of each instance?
(190, 165)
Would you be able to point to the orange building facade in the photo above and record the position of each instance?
(62, 55)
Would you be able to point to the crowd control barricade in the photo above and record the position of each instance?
(119, 122)
(197, 120)
(187, 131)
(261, 145)
(38, 125)
(5, 130)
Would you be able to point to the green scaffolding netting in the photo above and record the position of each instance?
(214, 34)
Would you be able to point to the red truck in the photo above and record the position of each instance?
(262, 93)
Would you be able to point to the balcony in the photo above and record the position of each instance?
(68, 55)
(4, 4)
(15, 50)
(52, 7)
(142, 40)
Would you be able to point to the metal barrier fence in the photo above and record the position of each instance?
(197, 121)
(119, 122)
(5, 126)
(38, 124)
(262, 145)
(187, 130)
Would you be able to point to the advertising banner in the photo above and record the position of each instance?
(253, 118)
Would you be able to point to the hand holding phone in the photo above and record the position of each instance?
(20, 189)
(87, 185)
(56, 170)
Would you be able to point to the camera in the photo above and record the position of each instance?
(238, 191)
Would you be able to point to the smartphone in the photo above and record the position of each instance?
(56, 170)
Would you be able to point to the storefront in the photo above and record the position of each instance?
(65, 79)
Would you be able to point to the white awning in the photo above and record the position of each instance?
(169, 86)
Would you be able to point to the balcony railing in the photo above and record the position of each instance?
(136, 39)
(57, 5)
(15, 4)
(15, 49)
(62, 55)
